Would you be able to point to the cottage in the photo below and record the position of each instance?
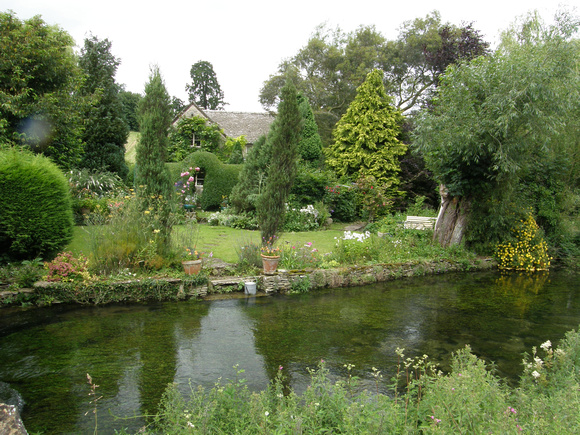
(233, 124)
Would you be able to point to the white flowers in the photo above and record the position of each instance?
(359, 237)
(535, 374)
(546, 346)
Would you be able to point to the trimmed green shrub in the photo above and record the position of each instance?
(219, 178)
(36, 218)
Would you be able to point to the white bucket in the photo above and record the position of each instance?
(250, 288)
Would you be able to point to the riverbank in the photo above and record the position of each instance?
(214, 282)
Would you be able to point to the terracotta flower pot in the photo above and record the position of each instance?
(191, 267)
(270, 263)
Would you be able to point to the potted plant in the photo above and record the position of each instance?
(270, 257)
(192, 261)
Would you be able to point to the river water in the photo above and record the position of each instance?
(133, 351)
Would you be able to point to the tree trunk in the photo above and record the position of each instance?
(452, 219)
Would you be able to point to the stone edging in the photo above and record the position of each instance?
(280, 282)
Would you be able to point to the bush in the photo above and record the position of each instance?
(309, 185)
(219, 178)
(341, 199)
(304, 219)
(36, 218)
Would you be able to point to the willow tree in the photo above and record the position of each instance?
(283, 147)
(366, 139)
(495, 120)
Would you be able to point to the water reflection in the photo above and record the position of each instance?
(224, 338)
(133, 351)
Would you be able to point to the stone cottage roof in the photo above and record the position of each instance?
(234, 124)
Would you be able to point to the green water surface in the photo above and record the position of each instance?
(134, 351)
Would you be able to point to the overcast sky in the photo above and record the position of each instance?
(245, 41)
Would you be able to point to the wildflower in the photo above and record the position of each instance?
(156, 231)
(280, 368)
(546, 346)
(535, 374)
(267, 413)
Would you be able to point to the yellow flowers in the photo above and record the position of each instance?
(529, 250)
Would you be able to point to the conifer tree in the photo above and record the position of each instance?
(310, 145)
(105, 128)
(283, 138)
(366, 139)
(152, 179)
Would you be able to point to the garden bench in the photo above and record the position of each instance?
(420, 222)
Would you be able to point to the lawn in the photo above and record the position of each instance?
(131, 147)
(225, 242)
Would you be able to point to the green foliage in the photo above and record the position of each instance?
(366, 137)
(300, 285)
(219, 178)
(284, 136)
(301, 219)
(36, 217)
(105, 128)
(310, 145)
(38, 81)
(329, 68)
(309, 184)
(297, 256)
(234, 147)
(204, 90)
(132, 239)
(501, 118)
(152, 179)
(373, 197)
(253, 176)
(193, 134)
(341, 200)
(130, 104)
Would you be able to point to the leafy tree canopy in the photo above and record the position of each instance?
(204, 90)
(367, 136)
(333, 64)
(498, 114)
(38, 80)
(130, 102)
(505, 118)
(105, 128)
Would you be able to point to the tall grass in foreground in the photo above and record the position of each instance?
(470, 399)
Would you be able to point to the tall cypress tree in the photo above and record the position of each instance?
(152, 179)
(283, 137)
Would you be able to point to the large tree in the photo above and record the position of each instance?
(283, 137)
(106, 131)
(333, 64)
(366, 139)
(152, 179)
(39, 77)
(204, 90)
(130, 102)
(497, 119)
